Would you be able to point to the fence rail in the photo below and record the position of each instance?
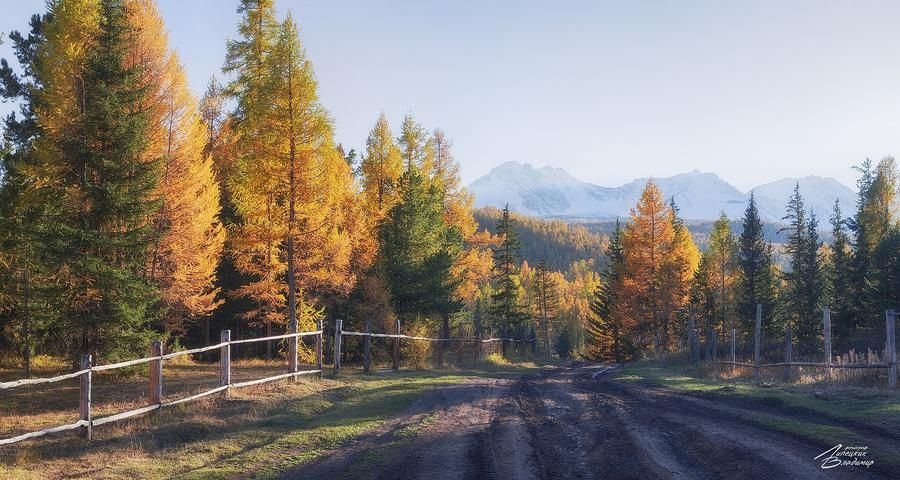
(157, 358)
(890, 362)
(339, 332)
(85, 423)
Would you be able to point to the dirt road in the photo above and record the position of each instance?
(578, 423)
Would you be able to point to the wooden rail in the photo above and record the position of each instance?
(339, 333)
(156, 360)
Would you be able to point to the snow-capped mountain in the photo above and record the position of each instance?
(552, 192)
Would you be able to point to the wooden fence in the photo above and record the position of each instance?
(368, 336)
(889, 362)
(156, 359)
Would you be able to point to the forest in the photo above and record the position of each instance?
(131, 211)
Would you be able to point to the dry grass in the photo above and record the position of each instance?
(257, 431)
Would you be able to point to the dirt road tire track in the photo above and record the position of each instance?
(570, 423)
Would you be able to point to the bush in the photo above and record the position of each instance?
(416, 352)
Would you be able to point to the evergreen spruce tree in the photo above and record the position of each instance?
(840, 281)
(609, 336)
(508, 310)
(756, 284)
(804, 280)
(418, 250)
(100, 238)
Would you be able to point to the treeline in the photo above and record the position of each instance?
(655, 279)
(130, 210)
(558, 243)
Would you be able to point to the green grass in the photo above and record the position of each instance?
(258, 431)
(827, 418)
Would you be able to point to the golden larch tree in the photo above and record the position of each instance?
(189, 235)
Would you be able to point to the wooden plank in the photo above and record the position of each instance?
(396, 365)
(35, 381)
(225, 360)
(891, 344)
(25, 436)
(367, 347)
(84, 398)
(337, 346)
(156, 373)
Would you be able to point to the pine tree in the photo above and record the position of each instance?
(756, 282)
(507, 307)
(546, 296)
(609, 333)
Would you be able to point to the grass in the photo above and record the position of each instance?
(819, 413)
(256, 432)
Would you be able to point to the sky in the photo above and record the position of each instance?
(607, 90)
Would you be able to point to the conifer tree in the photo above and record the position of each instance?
(546, 303)
(680, 260)
(416, 148)
(381, 168)
(756, 283)
(507, 307)
(840, 280)
(418, 250)
(189, 236)
(105, 189)
(723, 270)
(804, 281)
(647, 240)
(608, 329)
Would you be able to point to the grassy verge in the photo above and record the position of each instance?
(821, 413)
(256, 432)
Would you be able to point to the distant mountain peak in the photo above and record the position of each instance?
(550, 191)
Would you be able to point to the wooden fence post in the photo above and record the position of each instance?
(225, 360)
(319, 349)
(692, 339)
(826, 328)
(293, 344)
(733, 349)
(477, 349)
(756, 334)
(460, 345)
(338, 325)
(891, 345)
(84, 403)
(367, 347)
(788, 347)
(397, 348)
(156, 350)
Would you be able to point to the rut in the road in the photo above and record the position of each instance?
(568, 423)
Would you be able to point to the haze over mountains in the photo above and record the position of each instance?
(552, 193)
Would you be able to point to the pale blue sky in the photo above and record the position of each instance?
(753, 90)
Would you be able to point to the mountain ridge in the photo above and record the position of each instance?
(551, 192)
